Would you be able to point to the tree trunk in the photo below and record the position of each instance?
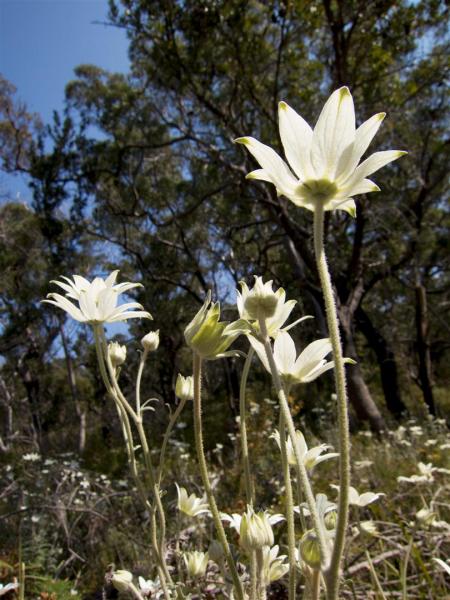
(423, 347)
(386, 362)
(358, 392)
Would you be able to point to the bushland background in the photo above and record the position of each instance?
(139, 172)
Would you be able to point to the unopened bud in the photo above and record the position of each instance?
(255, 531)
(122, 580)
(261, 301)
(196, 563)
(215, 551)
(150, 341)
(330, 520)
(184, 387)
(310, 549)
(117, 354)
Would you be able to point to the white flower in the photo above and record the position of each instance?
(191, 505)
(302, 369)
(255, 529)
(31, 456)
(361, 500)
(368, 527)
(196, 563)
(149, 587)
(97, 300)
(4, 589)
(260, 302)
(150, 342)
(282, 311)
(324, 162)
(117, 354)
(274, 566)
(443, 565)
(184, 387)
(426, 471)
(311, 457)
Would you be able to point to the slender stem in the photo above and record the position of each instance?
(262, 594)
(138, 381)
(249, 484)
(333, 573)
(205, 477)
(124, 419)
(170, 426)
(253, 577)
(302, 473)
(315, 585)
(289, 506)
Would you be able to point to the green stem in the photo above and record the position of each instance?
(289, 506)
(302, 473)
(170, 426)
(249, 484)
(205, 477)
(262, 594)
(332, 575)
(138, 381)
(315, 585)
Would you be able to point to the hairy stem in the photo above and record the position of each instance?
(198, 431)
(289, 506)
(332, 576)
(302, 473)
(249, 484)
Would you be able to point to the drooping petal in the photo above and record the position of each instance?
(273, 165)
(365, 186)
(316, 371)
(141, 314)
(347, 205)
(296, 137)
(66, 305)
(333, 133)
(121, 288)
(258, 347)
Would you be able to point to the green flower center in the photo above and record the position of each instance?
(318, 190)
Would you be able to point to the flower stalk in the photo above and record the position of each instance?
(198, 432)
(333, 572)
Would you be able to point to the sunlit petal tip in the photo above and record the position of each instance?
(242, 140)
(381, 116)
(401, 153)
(350, 361)
(282, 105)
(344, 91)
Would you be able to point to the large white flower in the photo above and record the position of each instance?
(97, 300)
(302, 369)
(324, 161)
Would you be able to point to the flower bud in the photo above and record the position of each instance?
(330, 519)
(122, 580)
(208, 337)
(261, 301)
(196, 563)
(117, 354)
(255, 531)
(150, 341)
(310, 549)
(184, 387)
(215, 551)
(368, 528)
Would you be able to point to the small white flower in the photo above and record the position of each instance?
(426, 471)
(255, 529)
(324, 162)
(361, 500)
(184, 387)
(311, 457)
(31, 456)
(274, 566)
(191, 505)
(196, 563)
(9, 587)
(149, 587)
(97, 300)
(302, 369)
(260, 302)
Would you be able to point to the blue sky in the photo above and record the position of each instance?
(41, 42)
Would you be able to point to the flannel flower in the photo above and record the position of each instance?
(323, 164)
(97, 300)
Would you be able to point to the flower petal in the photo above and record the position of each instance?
(273, 165)
(375, 162)
(284, 352)
(296, 137)
(333, 133)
